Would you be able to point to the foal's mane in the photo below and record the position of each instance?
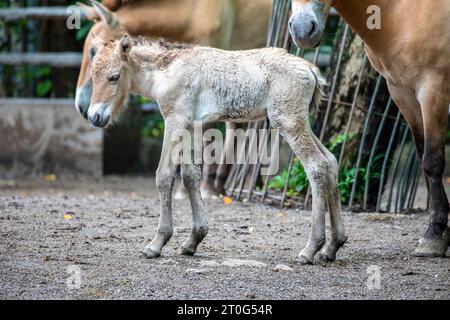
(163, 43)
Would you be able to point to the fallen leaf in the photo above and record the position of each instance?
(50, 178)
(227, 200)
(68, 216)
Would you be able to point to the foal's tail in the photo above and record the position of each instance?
(318, 91)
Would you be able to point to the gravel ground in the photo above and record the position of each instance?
(83, 240)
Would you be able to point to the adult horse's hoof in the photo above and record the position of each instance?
(430, 248)
(150, 253)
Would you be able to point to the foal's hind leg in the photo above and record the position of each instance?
(338, 234)
(191, 174)
(299, 137)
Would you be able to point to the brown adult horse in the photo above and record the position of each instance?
(412, 51)
(226, 24)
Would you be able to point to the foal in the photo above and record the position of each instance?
(193, 83)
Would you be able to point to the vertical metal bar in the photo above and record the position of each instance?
(246, 166)
(402, 181)
(267, 181)
(395, 164)
(363, 140)
(372, 152)
(419, 174)
(413, 189)
(335, 80)
(262, 146)
(286, 184)
(352, 111)
(386, 159)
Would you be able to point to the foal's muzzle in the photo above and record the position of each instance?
(99, 115)
(99, 120)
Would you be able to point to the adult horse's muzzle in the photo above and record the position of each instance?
(306, 30)
(83, 98)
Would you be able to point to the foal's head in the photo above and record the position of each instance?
(106, 26)
(111, 80)
(307, 22)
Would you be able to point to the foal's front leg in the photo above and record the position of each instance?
(165, 177)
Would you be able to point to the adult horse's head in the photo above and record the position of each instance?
(106, 26)
(307, 22)
(111, 81)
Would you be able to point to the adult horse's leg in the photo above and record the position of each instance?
(165, 176)
(434, 101)
(411, 111)
(191, 174)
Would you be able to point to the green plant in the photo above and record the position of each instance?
(44, 84)
(298, 182)
(152, 126)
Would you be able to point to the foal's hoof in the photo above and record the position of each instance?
(325, 258)
(431, 248)
(150, 253)
(187, 251)
(304, 260)
(208, 193)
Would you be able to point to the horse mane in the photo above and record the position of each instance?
(161, 42)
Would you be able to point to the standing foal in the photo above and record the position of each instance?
(192, 83)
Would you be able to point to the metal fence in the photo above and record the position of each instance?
(395, 183)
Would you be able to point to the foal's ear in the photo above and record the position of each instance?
(126, 43)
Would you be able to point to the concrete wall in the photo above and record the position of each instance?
(47, 137)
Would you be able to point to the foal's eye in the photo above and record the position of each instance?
(114, 77)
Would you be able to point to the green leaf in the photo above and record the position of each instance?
(44, 87)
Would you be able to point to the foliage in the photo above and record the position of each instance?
(152, 126)
(44, 85)
(82, 33)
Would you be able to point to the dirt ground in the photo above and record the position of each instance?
(83, 240)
